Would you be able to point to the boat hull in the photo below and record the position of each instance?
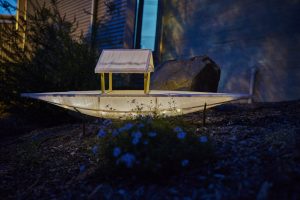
(131, 103)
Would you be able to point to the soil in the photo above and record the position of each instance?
(257, 148)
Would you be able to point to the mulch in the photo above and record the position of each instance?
(257, 149)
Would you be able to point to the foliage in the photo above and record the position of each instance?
(149, 147)
(51, 59)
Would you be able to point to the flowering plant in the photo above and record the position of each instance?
(150, 146)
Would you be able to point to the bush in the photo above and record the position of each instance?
(50, 60)
(147, 147)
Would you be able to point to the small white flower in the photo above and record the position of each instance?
(101, 133)
(152, 134)
(116, 152)
(203, 139)
(185, 163)
(181, 135)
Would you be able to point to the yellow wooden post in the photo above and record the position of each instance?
(145, 83)
(148, 83)
(110, 82)
(102, 83)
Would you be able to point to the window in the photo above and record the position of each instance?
(146, 22)
(8, 7)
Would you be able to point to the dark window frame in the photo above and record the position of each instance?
(138, 28)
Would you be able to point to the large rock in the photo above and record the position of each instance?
(199, 73)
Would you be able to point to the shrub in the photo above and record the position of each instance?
(149, 146)
(51, 59)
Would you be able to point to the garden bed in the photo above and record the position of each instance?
(255, 154)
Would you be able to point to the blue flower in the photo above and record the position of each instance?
(136, 136)
(122, 192)
(116, 152)
(115, 132)
(141, 125)
(203, 139)
(128, 159)
(152, 134)
(146, 142)
(185, 163)
(177, 129)
(126, 127)
(107, 122)
(181, 135)
(81, 168)
(135, 141)
(95, 149)
(101, 133)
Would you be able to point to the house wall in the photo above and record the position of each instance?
(79, 10)
(73, 10)
(111, 20)
(7, 22)
(239, 35)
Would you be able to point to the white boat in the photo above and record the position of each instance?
(131, 103)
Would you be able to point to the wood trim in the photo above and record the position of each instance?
(110, 81)
(102, 75)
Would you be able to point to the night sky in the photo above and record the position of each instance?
(4, 11)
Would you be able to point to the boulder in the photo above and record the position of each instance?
(199, 73)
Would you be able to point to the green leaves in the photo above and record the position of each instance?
(150, 147)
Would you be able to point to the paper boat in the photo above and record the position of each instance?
(131, 103)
